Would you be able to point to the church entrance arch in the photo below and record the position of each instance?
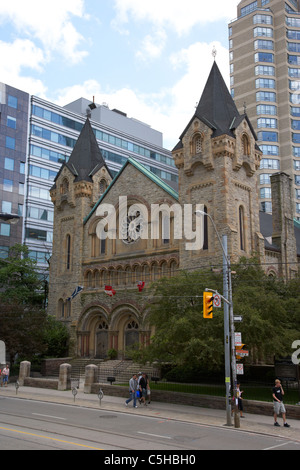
(101, 341)
(131, 335)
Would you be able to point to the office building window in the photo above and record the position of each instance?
(268, 136)
(5, 230)
(294, 73)
(270, 150)
(264, 44)
(297, 180)
(296, 152)
(266, 109)
(264, 19)
(269, 163)
(265, 193)
(12, 101)
(265, 83)
(8, 185)
(264, 178)
(264, 57)
(249, 8)
(295, 138)
(266, 206)
(6, 207)
(11, 122)
(265, 70)
(266, 96)
(264, 32)
(10, 142)
(267, 122)
(9, 164)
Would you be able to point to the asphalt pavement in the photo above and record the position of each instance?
(211, 417)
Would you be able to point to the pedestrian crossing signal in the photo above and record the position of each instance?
(208, 300)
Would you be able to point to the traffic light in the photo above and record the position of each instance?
(208, 299)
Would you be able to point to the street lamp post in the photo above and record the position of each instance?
(228, 328)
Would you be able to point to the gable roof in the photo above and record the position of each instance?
(131, 161)
(86, 158)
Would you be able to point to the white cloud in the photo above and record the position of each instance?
(152, 45)
(24, 54)
(168, 110)
(178, 15)
(47, 22)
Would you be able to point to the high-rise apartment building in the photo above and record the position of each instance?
(37, 136)
(264, 47)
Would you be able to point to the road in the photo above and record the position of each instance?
(35, 425)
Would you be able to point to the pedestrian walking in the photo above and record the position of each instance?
(143, 388)
(148, 390)
(5, 375)
(133, 384)
(278, 394)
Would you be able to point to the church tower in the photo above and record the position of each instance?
(217, 158)
(77, 187)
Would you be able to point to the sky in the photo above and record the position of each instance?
(149, 59)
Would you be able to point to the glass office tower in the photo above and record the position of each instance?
(14, 121)
(264, 47)
(49, 136)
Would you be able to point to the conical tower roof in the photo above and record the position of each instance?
(216, 107)
(86, 158)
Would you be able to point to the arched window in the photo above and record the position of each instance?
(242, 228)
(64, 188)
(245, 145)
(197, 144)
(68, 250)
(102, 186)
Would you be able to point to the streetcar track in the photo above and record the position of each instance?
(83, 428)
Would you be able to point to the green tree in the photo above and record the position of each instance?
(270, 309)
(20, 282)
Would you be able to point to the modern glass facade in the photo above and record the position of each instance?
(264, 43)
(49, 134)
(14, 118)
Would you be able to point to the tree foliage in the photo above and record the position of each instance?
(270, 309)
(25, 327)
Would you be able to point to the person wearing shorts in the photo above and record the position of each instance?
(279, 407)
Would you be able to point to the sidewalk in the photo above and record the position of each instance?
(168, 411)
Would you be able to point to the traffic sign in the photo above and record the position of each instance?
(238, 318)
(242, 353)
(217, 300)
(240, 369)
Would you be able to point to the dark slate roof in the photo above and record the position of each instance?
(266, 228)
(86, 158)
(216, 108)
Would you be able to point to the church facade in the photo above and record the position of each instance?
(113, 238)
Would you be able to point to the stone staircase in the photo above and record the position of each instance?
(121, 370)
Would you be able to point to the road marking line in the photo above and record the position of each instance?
(48, 416)
(278, 445)
(154, 435)
(50, 438)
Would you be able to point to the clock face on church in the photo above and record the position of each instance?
(131, 228)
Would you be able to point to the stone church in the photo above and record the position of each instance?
(108, 263)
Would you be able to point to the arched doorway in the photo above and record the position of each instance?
(131, 335)
(101, 340)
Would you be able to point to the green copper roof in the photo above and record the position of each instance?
(146, 172)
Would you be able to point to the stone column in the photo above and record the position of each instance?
(91, 372)
(64, 381)
(24, 372)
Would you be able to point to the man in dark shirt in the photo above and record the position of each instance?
(279, 407)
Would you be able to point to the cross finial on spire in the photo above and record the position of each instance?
(214, 53)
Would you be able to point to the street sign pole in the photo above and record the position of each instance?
(226, 335)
